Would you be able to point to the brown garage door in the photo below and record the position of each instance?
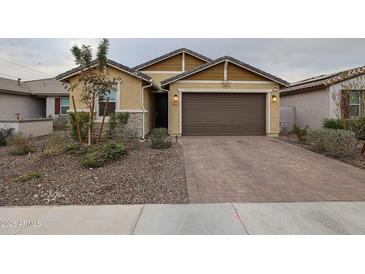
(223, 114)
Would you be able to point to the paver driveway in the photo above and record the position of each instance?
(263, 169)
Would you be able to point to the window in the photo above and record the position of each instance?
(111, 105)
(64, 105)
(354, 104)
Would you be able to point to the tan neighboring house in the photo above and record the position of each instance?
(336, 95)
(190, 94)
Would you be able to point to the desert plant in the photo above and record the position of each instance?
(60, 122)
(20, 144)
(300, 133)
(160, 138)
(83, 123)
(357, 126)
(332, 123)
(117, 124)
(98, 155)
(332, 142)
(57, 144)
(4, 135)
(28, 176)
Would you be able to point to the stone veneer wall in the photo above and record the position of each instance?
(135, 123)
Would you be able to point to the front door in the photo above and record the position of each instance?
(161, 110)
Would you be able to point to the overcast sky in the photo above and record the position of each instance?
(290, 59)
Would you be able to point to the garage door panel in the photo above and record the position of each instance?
(223, 114)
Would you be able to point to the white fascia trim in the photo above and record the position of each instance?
(268, 99)
(78, 110)
(225, 90)
(131, 110)
(183, 61)
(160, 71)
(221, 82)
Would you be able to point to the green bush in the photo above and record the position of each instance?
(300, 133)
(83, 123)
(20, 145)
(117, 125)
(332, 123)
(332, 142)
(357, 126)
(57, 144)
(4, 135)
(98, 155)
(160, 138)
(60, 122)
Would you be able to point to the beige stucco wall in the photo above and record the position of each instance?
(158, 77)
(310, 107)
(129, 93)
(36, 128)
(27, 106)
(174, 108)
(149, 106)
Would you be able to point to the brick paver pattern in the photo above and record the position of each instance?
(264, 169)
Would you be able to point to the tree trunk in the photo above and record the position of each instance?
(102, 122)
(91, 121)
(77, 120)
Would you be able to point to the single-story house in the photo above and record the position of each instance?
(338, 95)
(190, 94)
(45, 98)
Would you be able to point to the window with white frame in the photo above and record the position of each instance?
(354, 104)
(112, 95)
(64, 105)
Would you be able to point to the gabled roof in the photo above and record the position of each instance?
(171, 54)
(323, 81)
(42, 87)
(220, 60)
(49, 86)
(110, 63)
(13, 86)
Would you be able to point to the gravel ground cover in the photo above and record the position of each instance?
(356, 159)
(145, 175)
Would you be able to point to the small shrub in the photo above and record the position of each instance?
(28, 176)
(20, 145)
(130, 139)
(332, 123)
(300, 133)
(57, 144)
(160, 138)
(4, 135)
(60, 123)
(117, 124)
(83, 123)
(332, 142)
(98, 155)
(357, 126)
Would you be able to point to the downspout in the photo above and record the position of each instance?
(142, 106)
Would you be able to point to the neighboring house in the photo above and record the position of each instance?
(190, 94)
(327, 96)
(45, 98)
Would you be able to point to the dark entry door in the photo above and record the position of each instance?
(161, 110)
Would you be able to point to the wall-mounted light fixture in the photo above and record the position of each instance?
(274, 98)
(176, 98)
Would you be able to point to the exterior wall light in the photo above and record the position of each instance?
(274, 98)
(175, 98)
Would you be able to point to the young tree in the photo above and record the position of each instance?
(93, 82)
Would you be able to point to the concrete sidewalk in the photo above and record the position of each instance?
(202, 219)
